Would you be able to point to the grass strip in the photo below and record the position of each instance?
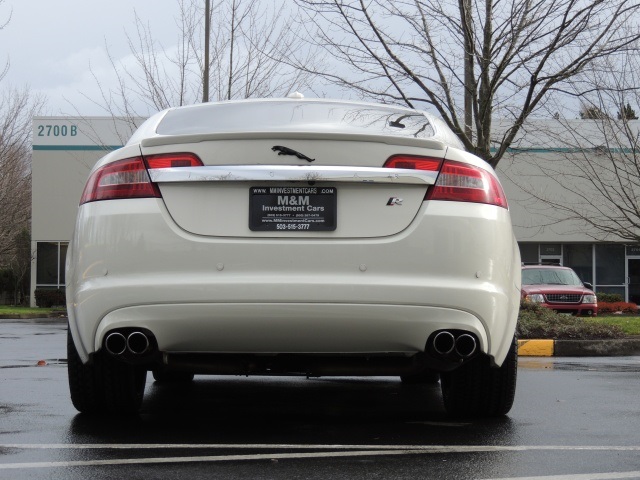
(17, 310)
(629, 324)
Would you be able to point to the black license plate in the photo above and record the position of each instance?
(293, 209)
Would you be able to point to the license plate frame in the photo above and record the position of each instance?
(293, 209)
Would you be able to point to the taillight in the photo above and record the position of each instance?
(171, 160)
(461, 182)
(129, 178)
(457, 181)
(122, 179)
(414, 162)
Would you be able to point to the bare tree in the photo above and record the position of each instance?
(15, 277)
(589, 178)
(17, 109)
(248, 41)
(4, 23)
(470, 61)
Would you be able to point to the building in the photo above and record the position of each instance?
(539, 177)
(64, 151)
(574, 193)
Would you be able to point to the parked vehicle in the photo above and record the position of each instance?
(293, 237)
(558, 288)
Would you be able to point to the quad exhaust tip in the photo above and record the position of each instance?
(444, 343)
(465, 345)
(136, 343)
(116, 343)
(454, 345)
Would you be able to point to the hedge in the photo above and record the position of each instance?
(536, 321)
(49, 298)
(613, 307)
(609, 297)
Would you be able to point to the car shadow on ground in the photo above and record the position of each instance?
(241, 410)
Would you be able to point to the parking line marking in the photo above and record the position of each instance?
(208, 459)
(298, 446)
(343, 451)
(580, 476)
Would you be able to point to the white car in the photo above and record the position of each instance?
(293, 237)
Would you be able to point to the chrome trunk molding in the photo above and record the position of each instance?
(286, 173)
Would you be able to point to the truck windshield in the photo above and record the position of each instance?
(550, 276)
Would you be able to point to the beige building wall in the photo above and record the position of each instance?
(533, 219)
(64, 151)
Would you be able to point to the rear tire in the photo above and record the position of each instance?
(104, 385)
(478, 390)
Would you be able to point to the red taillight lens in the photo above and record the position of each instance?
(414, 163)
(170, 160)
(129, 178)
(461, 182)
(122, 179)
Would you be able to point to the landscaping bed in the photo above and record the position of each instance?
(536, 322)
(16, 312)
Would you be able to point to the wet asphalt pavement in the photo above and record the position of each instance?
(574, 418)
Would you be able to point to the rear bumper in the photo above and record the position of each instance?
(134, 268)
(269, 328)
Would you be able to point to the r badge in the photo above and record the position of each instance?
(394, 201)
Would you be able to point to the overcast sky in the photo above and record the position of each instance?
(51, 45)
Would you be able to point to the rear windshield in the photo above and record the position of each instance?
(550, 276)
(295, 116)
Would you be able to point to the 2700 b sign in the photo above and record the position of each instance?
(292, 209)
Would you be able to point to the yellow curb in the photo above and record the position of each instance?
(535, 348)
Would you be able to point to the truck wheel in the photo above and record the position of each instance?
(478, 390)
(104, 385)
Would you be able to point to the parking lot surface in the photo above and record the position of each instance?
(574, 418)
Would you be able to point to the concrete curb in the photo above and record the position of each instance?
(622, 347)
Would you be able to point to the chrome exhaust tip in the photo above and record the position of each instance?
(465, 345)
(137, 343)
(444, 343)
(115, 343)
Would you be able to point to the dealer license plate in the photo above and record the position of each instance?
(292, 209)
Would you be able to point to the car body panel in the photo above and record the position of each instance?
(309, 328)
(187, 268)
(118, 237)
(362, 208)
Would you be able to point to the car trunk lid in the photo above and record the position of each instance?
(333, 185)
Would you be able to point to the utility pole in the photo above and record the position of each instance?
(467, 30)
(207, 33)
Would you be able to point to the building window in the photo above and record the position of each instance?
(610, 266)
(50, 264)
(580, 258)
(617, 290)
(529, 252)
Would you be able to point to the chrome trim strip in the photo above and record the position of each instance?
(288, 173)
